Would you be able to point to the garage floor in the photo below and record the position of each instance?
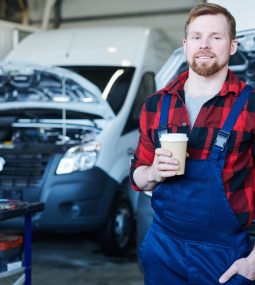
(76, 260)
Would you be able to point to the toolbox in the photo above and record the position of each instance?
(11, 249)
(12, 259)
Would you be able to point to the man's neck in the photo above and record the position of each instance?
(197, 85)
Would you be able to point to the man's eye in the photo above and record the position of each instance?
(217, 38)
(195, 37)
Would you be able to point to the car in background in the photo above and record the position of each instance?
(242, 64)
(67, 134)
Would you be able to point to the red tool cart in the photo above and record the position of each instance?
(11, 246)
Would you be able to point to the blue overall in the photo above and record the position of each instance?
(195, 236)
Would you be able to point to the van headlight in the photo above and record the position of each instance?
(79, 158)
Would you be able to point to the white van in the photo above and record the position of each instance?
(67, 139)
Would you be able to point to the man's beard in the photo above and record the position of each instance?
(204, 69)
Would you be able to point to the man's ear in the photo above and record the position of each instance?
(233, 47)
(184, 45)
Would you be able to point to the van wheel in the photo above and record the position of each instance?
(114, 239)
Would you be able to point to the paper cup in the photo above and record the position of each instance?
(177, 144)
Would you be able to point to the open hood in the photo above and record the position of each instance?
(24, 86)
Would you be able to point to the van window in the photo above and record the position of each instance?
(147, 87)
(113, 82)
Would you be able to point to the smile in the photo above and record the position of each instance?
(204, 57)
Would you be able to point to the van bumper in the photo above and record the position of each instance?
(78, 201)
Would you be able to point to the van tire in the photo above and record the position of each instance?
(115, 237)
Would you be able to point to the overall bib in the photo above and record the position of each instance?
(195, 236)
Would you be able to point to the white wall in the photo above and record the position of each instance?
(173, 24)
(7, 36)
(79, 8)
(243, 11)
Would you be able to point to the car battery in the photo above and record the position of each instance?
(11, 249)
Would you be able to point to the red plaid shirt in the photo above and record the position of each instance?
(238, 174)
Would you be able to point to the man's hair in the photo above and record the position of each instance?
(212, 9)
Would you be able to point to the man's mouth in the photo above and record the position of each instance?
(204, 56)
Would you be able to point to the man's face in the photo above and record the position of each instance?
(207, 44)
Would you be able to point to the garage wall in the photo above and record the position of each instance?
(11, 34)
(169, 15)
(242, 11)
(5, 39)
(165, 14)
(76, 8)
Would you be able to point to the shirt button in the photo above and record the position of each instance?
(184, 124)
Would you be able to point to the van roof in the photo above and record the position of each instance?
(118, 46)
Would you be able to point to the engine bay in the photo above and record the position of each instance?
(47, 127)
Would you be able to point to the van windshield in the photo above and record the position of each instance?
(113, 82)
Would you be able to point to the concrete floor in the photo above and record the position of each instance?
(76, 260)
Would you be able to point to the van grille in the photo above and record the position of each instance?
(22, 169)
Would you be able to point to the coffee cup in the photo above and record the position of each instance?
(176, 143)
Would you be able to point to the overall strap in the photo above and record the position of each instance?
(220, 145)
(163, 122)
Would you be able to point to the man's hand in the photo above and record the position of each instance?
(243, 266)
(164, 165)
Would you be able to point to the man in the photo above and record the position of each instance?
(198, 234)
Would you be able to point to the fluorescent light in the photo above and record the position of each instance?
(112, 49)
(114, 77)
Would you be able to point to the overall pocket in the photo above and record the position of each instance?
(242, 252)
(186, 198)
(207, 262)
(240, 280)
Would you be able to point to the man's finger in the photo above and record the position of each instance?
(228, 274)
(161, 151)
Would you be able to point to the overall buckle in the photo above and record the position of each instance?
(222, 139)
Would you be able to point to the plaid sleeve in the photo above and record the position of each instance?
(144, 154)
(253, 177)
(253, 145)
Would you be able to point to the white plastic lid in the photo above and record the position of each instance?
(174, 137)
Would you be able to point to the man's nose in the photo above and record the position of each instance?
(205, 44)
